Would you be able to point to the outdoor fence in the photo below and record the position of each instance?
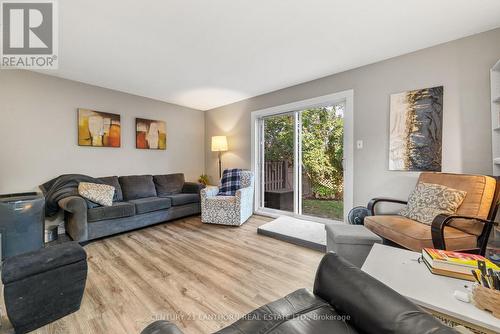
(278, 175)
(275, 175)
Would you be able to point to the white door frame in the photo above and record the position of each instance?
(346, 96)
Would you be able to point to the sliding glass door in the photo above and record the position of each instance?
(322, 153)
(278, 162)
(301, 162)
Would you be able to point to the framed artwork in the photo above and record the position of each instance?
(150, 134)
(98, 129)
(416, 128)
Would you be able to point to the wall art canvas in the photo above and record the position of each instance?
(416, 124)
(150, 134)
(98, 129)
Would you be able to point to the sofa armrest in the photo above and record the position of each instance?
(73, 204)
(442, 220)
(209, 191)
(192, 188)
(161, 327)
(75, 216)
(374, 201)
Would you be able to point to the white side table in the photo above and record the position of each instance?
(400, 270)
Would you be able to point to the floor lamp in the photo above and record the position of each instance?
(219, 144)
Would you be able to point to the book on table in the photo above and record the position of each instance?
(454, 264)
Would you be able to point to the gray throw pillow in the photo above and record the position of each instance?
(429, 200)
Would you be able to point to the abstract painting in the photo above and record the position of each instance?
(416, 124)
(98, 129)
(150, 134)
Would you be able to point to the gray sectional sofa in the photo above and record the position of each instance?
(140, 200)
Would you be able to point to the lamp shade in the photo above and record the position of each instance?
(219, 143)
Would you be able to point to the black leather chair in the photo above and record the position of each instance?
(345, 300)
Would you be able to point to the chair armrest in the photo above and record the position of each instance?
(191, 188)
(243, 194)
(75, 217)
(209, 191)
(374, 201)
(442, 220)
(161, 327)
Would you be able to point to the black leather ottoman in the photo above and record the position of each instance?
(44, 285)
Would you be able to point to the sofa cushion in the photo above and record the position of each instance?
(117, 210)
(298, 312)
(137, 186)
(113, 181)
(429, 200)
(168, 184)
(181, 199)
(416, 236)
(149, 204)
(480, 192)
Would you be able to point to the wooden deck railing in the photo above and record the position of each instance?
(275, 175)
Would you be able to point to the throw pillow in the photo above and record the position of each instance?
(98, 193)
(429, 200)
(230, 182)
(113, 181)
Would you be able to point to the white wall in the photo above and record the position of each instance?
(38, 132)
(461, 66)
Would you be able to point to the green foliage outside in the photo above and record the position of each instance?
(279, 138)
(322, 147)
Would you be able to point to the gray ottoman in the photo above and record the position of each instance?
(44, 285)
(352, 242)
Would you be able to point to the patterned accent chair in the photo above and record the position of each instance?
(228, 210)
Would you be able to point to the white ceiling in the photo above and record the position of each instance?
(207, 53)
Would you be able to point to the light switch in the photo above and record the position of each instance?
(359, 144)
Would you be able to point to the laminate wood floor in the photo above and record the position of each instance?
(200, 276)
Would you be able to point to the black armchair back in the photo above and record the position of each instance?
(367, 305)
(372, 306)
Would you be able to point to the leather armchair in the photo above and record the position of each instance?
(467, 230)
(162, 327)
(344, 300)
